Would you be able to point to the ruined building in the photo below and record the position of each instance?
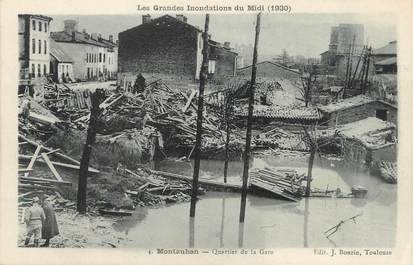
(170, 46)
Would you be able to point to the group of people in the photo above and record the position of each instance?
(40, 221)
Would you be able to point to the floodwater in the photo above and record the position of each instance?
(270, 223)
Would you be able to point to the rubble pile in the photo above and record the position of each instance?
(281, 139)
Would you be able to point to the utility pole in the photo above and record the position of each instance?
(197, 151)
(228, 110)
(367, 70)
(249, 123)
(96, 98)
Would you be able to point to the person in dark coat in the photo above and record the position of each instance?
(49, 228)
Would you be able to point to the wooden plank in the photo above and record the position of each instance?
(21, 170)
(49, 150)
(53, 151)
(52, 168)
(33, 159)
(46, 180)
(91, 169)
(193, 93)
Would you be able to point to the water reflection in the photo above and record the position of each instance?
(191, 232)
(127, 223)
(306, 213)
(221, 237)
(241, 235)
(271, 222)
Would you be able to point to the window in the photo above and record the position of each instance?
(381, 114)
(211, 66)
(104, 55)
(44, 70)
(33, 70)
(39, 71)
(45, 26)
(33, 46)
(33, 25)
(100, 57)
(40, 46)
(45, 47)
(40, 26)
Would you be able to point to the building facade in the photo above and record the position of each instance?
(34, 58)
(170, 46)
(61, 64)
(94, 58)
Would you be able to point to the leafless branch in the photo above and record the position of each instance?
(335, 228)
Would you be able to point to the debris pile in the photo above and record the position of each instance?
(387, 170)
(281, 139)
(283, 183)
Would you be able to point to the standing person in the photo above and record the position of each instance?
(49, 228)
(34, 218)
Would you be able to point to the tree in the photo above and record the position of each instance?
(308, 80)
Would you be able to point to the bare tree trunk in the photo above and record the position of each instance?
(87, 149)
(249, 123)
(197, 150)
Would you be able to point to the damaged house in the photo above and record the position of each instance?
(172, 48)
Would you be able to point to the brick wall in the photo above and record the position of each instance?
(360, 113)
(168, 48)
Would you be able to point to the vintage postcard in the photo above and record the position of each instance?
(193, 132)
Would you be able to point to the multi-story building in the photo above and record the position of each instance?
(34, 48)
(94, 58)
(345, 39)
(170, 46)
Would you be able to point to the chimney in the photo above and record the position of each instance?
(94, 36)
(227, 44)
(111, 38)
(181, 18)
(84, 31)
(99, 37)
(146, 19)
(70, 26)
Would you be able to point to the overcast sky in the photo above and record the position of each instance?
(304, 34)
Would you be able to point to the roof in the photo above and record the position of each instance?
(80, 37)
(36, 16)
(274, 64)
(291, 113)
(58, 53)
(165, 18)
(389, 61)
(389, 49)
(367, 131)
(346, 104)
(220, 46)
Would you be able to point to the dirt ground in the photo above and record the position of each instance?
(78, 231)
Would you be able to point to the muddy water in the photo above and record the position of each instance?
(270, 222)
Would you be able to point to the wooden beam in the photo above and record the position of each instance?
(46, 180)
(91, 169)
(33, 159)
(52, 168)
(49, 150)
